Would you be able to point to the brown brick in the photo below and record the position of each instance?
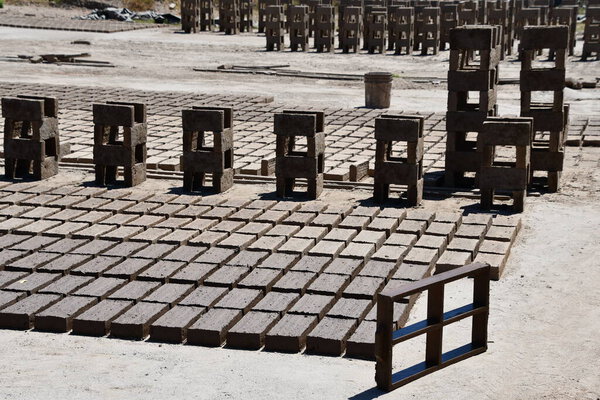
(501, 233)
(470, 246)
(59, 317)
(362, 342)
(194, 273)
(412, 272)
(451, 260)
(20, 315)
(67, 284)
(249, 332)
(65, 263)
(358, 250)
(172, 326)
(8, 277)
(280, 261)
(101, 287)
(496, 261)
(471, 231)
(240, 299)
(419, 255)
(354, 222)
(313, 304)
(216, 255)
(31, 262)
(294, 282)
(161, 271)
(169, 293)
(128, 269)
(96, 320)
(283, 230)
(428, 241)
(204, 296)
(341, 235)
(96, 266)
(134, 291)
(211, 328)
(32, 283)
(276, 302)
(261, 278)
(364, 287)
(344, 266)
(329, 336)
(135, 322)
(10, 298)
(289, 334)
(413, 227)
(227, 276)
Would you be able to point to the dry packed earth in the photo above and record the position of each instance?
(255, 264)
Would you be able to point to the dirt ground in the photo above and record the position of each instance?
(545, 311)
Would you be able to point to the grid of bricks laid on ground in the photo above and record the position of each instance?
(208, 270)
(65, 24)
(349, 132)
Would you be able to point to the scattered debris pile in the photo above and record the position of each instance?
(125, 15)
(66, 59)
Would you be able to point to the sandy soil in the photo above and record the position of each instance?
(545, 311)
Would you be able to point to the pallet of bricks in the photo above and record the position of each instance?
(591, 34)
(474, 58)
(550, 119)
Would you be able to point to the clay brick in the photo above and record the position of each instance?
(341, 209)
(477, 219)
(161, 271)
(65, 263)
(283, 230)
(329, 336)
(311, 232)
(289, 334)
(362, 342)
(31, 262)
(378, 269)
(96, 320)
(350, 308)
(128, 269)
(59, 317)
(67, 285)
(327, 248)
(247, 258)
(134, 291)
(420, 215)
(412, 272)
(449, 217)
(8, 277)
(193, 211)
(294, 282)
(387, 225)
(313, 304)
(216, 255)
(9, 298)
(280, 261)
(413, 227)
(273, 216)
(101, 287)
(204, 296)
(93, 217)
(255, 228)
(364, 287)
(501, 233)
(418, 255)
(393, 213)
(211, 328)
(355, 222)
(146, 220)
(276, 302)
(193, 273)
(219, 213)
(451, 260)
(135, 322)
(390, 253)
(35, 243)
(495, 247)
(269, 244)
(9, 240)
(240, 299)
(300, 219)
(249, 332)
(151, 235)
(32, 283)
(329, 284)
(208, 239)
(156, 251)
(201, 224)
(36, 227)
(172, 326)
(442, 229)
(227, 276)
(94, 247)
(124, 249)
(375, 237)
(261, 278)
(13, 224)
(508, 220)
(401, 310)
(470, 246)
(21, 314)
(496, 261)
(297, 246)
(471, 231)
(342, 235)
(344, 266)
(428, 241)
(96, 266)
(358, 250)
(184, 254)
(246, 214)
(169, 293)
(327, 220)
(401, 239)
(227, 226)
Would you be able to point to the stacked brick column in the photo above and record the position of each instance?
(246, 10)
(526, 17)
(190, 16)
(312, 12)
(502, 175)
(274, 27)
(464, 119)
(544, 6)
(591, 34)
(499, 16)
(207, 19)
(567, 17)
(377, 21)
(350, 29)
(292, 164)
(342, 16)
(468, 13)
(229, 16)
(390, 169)
(370, 6)
(198, 159)
(299, 27)
(547, 154)
(430, 30)
(31, 138)
(324, 28)
(111, 151)
(404, 21)
(262, 16)
(448, 21)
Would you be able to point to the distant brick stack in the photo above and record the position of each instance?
(544, 6)
(246, 15)
(391, 169)
(351, 29)
(324, 28)
(499, 15)
(547, 152)
(120, 135)
(229, 16)
(292, 163)
(207, 19)
(299, 27)
(274, 28)
(370, 6)
(464, 119)
(468, 13)
(377, 21)
(262, 13)
(199, 158)
(190, 16)
(350, 16)
(566, 16)
(448, 21)
(591, 34)
(31, 137)
(430, 30)
(494, 174)
(526, 17)
(404, 25)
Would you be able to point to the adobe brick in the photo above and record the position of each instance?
(193, 211)
(378, 269)
(299, 218)
(273, 216)
(419, 255)
(94, 247)
(194, 273)
(442, 229)
(471, 231)
(184, 253)
(289, 334)
(240, 299)
(313, 264)
(470, 246)
(250, 331)
(364, 287)
(327, 220)
(297, 246)
(393, 213)
(401, 239)
(134, 291)
(219, 213)
(329, 336)
(227, 276)
(211, 328)
(124, 249)
(128, 269)
(150, 235)
(9, 298)
(101, 288)
(501, 233)
(169, 293)
(280, 261)
(255, 228)
(313, 304)
(477, 219)
(64, 263)
(237, 241)
(216, 255)
(362, 342)
(172, 326)
(261, 278)
(59, 317)
(135, 322)
(495, 247)
(393, 254)
(93, 217)
(496, 261)
(248, 258)
(329, 284)
(21, 314)
(375, 237)
(146, 220)
(9, 240)
(401, 310)
(449, 217)
(6, 256)
(451, 260)
(355, 222)
(32, 282)
(433, 242)
(66, 285)
(204, 296)
(155, 251)
(412, 272)
(161, 271)
(276, 302)
(345, 266)
(31, 262)
(96, 320)
(8, 277)
(174, 222)
(294, 281)
(358, 250)
(413, 227)
(96, 266)
(283, 230)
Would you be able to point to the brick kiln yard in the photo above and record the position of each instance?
(249, 269)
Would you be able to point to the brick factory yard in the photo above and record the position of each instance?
(545, 308)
